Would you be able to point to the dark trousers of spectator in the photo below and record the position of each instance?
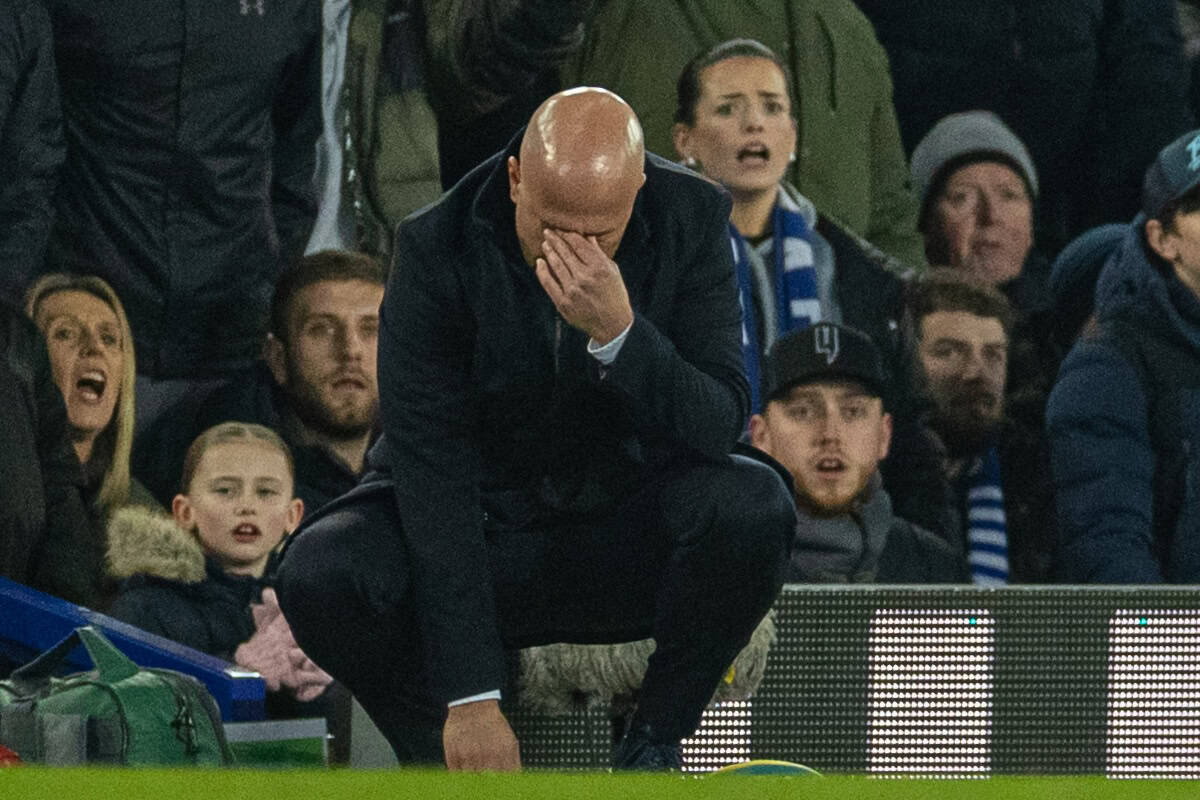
(694, 558)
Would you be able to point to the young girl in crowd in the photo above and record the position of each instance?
(203, 577)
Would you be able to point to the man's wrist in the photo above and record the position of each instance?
(607, 352)
(464, 713)
(494, 694)
(606, 337)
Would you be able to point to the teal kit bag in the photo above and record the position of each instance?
(118, 713)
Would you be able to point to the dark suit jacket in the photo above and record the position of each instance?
(495, 416)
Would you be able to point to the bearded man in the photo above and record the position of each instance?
(315, 386)
(997, 466)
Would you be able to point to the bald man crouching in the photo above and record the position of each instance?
(560, 379)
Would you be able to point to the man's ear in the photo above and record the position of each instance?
(276, 358)
(1161, 241)
(760, 436)
(183, 513)
(514, 177)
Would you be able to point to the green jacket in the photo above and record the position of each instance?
(849, 160)
(391, 163)
(477, 55)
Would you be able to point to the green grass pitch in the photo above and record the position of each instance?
(40, 783)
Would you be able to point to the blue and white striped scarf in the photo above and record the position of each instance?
(796, 298)
(987, 530)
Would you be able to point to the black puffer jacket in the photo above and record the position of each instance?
(31, 144)
(1123, 423)
(212, 616)
(1093, 87)
(171, 589)
(191, 130)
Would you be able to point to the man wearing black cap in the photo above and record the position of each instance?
(824, 421)
(1125, 412)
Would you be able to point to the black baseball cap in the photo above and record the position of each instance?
(821, 352)
(1172, 174)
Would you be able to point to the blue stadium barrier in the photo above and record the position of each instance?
(32, 621)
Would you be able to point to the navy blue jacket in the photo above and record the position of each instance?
(31, 140)
(1122, 420)
(495, 417)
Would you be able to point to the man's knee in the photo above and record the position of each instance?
(300, 573)
(754, 495)
(754, 509)
(310, 575)
(347, 563)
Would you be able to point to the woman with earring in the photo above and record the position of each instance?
(796, 266)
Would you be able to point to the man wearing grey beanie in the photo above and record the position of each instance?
(976, 184)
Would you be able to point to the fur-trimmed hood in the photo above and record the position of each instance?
(143, 542)
(561, 678)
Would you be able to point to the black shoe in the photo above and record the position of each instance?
(639, 751)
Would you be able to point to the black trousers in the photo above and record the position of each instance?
(694, 558)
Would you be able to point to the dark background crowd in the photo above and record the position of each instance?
(966, 241)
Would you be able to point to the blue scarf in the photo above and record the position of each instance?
(987, 531)
(796, 298)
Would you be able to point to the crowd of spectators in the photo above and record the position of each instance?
(963, 237)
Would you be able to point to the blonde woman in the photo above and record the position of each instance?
(91, 355)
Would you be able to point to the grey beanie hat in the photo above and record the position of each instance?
(964, 134)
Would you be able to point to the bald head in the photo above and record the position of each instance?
(583, 139)
(580, 168)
